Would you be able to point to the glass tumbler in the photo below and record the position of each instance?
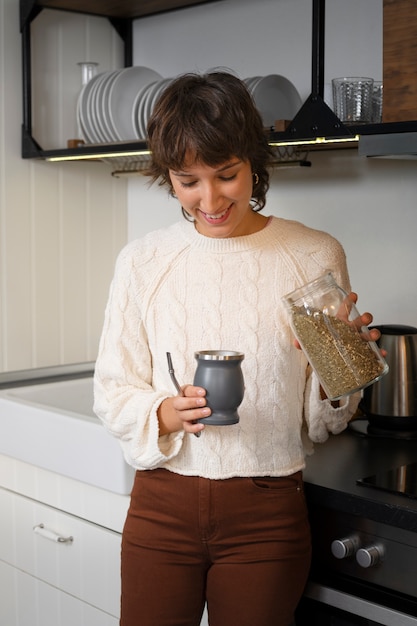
(377, 102)
(352, 99)
(88, 71)
(325, 322)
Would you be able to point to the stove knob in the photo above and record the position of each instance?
(344, 548)
(370, 556)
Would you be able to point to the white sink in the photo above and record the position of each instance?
(52, 425)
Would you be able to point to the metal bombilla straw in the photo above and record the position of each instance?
(175, 381)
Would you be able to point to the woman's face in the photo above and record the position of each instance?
(218, 197)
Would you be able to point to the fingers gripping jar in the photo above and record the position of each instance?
(336, 344)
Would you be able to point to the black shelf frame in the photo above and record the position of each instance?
(121, 15)
(30, 148)
(314, 119)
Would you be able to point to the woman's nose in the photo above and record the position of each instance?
(210, 198)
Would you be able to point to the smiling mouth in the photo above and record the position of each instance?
(219, 217)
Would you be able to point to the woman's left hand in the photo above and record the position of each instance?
(364, 320)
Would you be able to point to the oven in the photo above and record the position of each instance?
(363, 573)
(325, 606)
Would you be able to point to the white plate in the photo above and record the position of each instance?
(98, 97)
(105, 116)
(162, 85)
(251, 81)
(141, 118)
(91, 117)
(94, 109)
(122, 94)
(146, 111)
(83, 109)
(138, 103)
(276, 98)
(92, 102)
(253, 84)
(152, 99)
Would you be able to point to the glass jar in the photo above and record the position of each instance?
(325, 322)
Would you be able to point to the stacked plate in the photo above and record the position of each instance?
(107, 105)
(275, 97)
(144, 105)
(116, 106)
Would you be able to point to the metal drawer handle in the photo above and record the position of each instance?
(52, 535)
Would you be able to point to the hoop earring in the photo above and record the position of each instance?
(255, 179)
(187, 215)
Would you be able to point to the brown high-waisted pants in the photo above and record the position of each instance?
(242, 545)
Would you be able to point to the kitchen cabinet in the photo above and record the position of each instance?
(64, 566)
(46, 582)
(49, 582)
(314, 120)
(30, 602)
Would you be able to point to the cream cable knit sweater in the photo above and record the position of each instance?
(178, 291)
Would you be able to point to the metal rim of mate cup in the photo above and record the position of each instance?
(219, 373)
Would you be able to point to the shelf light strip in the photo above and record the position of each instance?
(100, 155)
(315, 141)
(142, 153)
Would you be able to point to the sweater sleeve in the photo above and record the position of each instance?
(124, 397)
(320, 417)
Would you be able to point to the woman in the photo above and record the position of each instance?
(219, 518)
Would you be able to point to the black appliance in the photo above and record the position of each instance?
(400, 480)
(363, 573)
(362, 497)
(366, 427)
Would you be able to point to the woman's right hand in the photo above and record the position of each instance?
(181, 412)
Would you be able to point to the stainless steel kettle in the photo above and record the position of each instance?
(392, 401)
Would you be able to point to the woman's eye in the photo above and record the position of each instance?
(193, 183)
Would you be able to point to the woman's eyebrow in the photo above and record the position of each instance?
(226, 166)
(180, 173)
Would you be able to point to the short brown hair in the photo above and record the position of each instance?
(213, 117)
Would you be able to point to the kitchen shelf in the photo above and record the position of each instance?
(121, 14)
(314, 122)
(361, 130)
(121, 9)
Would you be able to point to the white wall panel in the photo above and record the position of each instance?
(61, 40)
(263, 37)
(61, 226)
(369, 204)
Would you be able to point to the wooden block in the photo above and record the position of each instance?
(281, 125)
(399, 61)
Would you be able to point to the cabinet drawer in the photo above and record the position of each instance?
(71, 554)
(27, 601)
